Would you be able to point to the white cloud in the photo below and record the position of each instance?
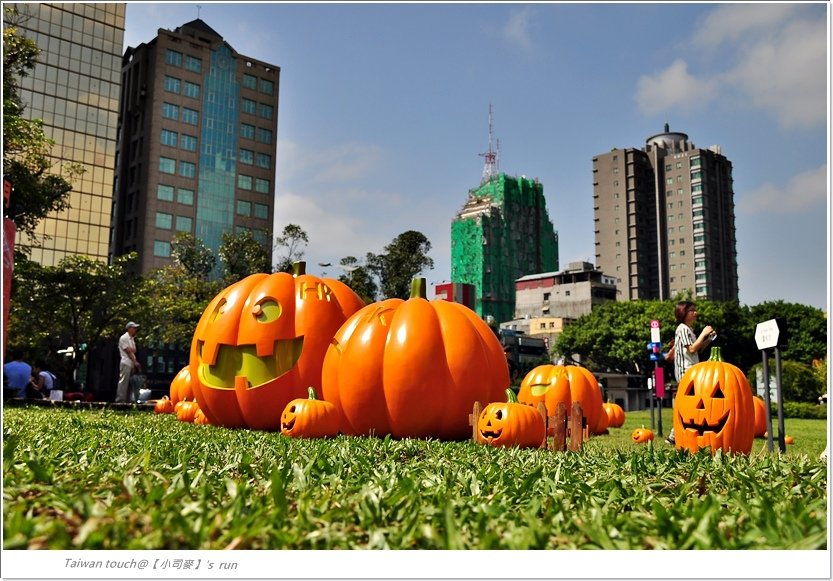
(516, 30)
(805, 191)
(769, 57)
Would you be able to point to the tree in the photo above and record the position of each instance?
(26, 163)
(806, 329)
(294, 241)
(76, 303)
(190, 253)
(241, 256)
(359, 279)
(403, 259)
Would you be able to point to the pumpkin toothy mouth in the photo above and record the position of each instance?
(242, 361)
(491, 434)
(704, 427)
(288, 425)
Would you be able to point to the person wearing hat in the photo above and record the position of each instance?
(128, 364)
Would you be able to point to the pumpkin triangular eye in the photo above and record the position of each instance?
(718, 393)
(689, 390)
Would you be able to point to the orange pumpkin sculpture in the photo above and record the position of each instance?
(552, 384)
(200, 419)
(615, 414)
(309, 418)
(642, 435)
(181, 385)
(413, 368)
(713, 408)
(511, 424)
(186, 411)
(760, 417)
(261, 342)
(164, 406)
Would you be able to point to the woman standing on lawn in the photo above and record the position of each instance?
(687, 344)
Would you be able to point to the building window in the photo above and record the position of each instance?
(165, 193)
(264, 135)
(697, 188)
(187, 169)
(265, 111)
(183, 223)
(161, 248)
(262, 186)
(188, 143)
(167, 165)
(679, 164)
(250, 81)
(696, 175)
(669, 180)
(266, 86)
(249, 106)
(542, 325)
(247, 131)
(261, 211)
(193, 63)
(192, 90)
(695, 162)
(247, 156)
(169, 138)
(173, 57)
(172, 84)
(244, 208)
(185, 197)
(264, 160)
(164, 220)
(190, 116)
(244, 182)
(170, 111)
(668, 167)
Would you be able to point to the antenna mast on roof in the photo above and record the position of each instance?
(489, 167)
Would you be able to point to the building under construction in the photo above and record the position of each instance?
(502, 233)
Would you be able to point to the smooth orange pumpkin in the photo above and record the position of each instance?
(642, 435)
(413, 368)
(788, 439)
(181, 385)
(548, 383)
(760, 417)
(164, 406)
(713, 408)
(309, 418)
(200, 419)
(510, 424)
(261, 342)
(186, 411)
(615, 414)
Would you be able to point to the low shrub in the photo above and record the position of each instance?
(803, 410)
(799, 382)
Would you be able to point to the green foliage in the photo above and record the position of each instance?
(192, 255)
(290, 247)
(402, 260)
(241, 256)
(806, 329)
(795, 409)
(359, 279)
(26, 162)
(798, 381)
(106, 480)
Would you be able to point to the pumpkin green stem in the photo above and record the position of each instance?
(299, 268)
(418, 289)
(510, 396)
(716, 355)
(311, 393)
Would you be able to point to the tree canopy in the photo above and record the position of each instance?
(242, 255)
(402, 260)
(290, 247)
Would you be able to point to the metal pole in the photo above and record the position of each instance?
(651, 400)
(782, 445)
(659, 401)
(765, 371)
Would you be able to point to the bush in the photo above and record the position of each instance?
(799, 382)
(803, 410)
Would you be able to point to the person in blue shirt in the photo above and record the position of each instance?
(16, 375)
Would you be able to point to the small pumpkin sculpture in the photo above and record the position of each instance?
(713, 408)
(552, 384)
(760, 417)
(309, 418)
(642, 435)
(511, 424)
(615, 414)
(200, 419)
(164, 406)
(186, 411)
(789, 440)
(261, 342)
(413, 368)
(181, 385)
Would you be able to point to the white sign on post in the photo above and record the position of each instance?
(655, 332)
(766, 334)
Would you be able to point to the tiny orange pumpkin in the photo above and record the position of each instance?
(511, 424)
(642, 435)
(789, 440)
(186, 410)
(164, 406)
(310, 418)
(200, 419)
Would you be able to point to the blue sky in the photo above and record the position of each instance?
(384, 112)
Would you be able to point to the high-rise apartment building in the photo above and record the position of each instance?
(74, 89)
(197, 143)
(665, 219)
(503, 232)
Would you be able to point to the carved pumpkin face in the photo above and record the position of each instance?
(642, 435)
(713, 408)
(261, 341)
(413, 368)
(309, 418)
(510, 424)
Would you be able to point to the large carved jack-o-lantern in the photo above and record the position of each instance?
(261, 342)
(713, 408)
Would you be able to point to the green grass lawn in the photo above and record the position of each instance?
(102, 479)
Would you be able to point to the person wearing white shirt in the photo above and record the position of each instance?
(128, 364)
